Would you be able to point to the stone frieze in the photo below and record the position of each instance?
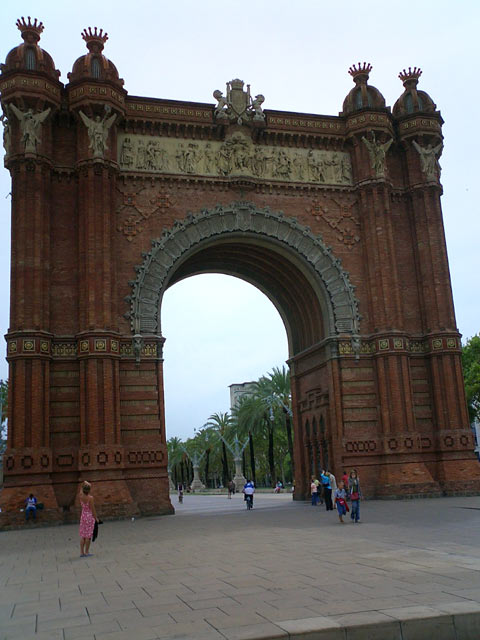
(235, 157)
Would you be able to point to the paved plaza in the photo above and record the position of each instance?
(410, 570)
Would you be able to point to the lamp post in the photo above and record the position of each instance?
(237, 449)
(196, 459)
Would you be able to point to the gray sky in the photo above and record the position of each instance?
(297, 55)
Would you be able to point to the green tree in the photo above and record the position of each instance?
(282, 394)
(471, 376)
(175, 457)
(221, 423)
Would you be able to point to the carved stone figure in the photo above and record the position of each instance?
(6, 133)
(161, 158)
(316, 168)
(222, 105)
(240, 154)
(30, 124)
(259, 162)
(299, 163)
(257, 107)
(208, 158)
(223, 160)
(282, 167)
(378, 154)
(137, 341)
(127, 156)
(429, 159)
(346, 169)
(187, 158)
(238, 106)
(97, 130)
(141, 155)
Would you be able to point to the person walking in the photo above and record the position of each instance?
(355, 495)
(231, 489)
(30, 507)
(340, 502)
(314, 491)
(327, 490)
(88, 518)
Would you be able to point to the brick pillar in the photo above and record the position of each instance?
(456, 468)
(28, 459)
(398, 470)
(101, 454)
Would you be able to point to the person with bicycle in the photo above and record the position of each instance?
(248, 491)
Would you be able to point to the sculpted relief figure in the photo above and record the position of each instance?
(378, 154)
(429, 159)
(6, 133)
(257, 108)
(187, 159)
(237, 155)
(97, 130)
(127, 155)
(222, 105)
(30, 124)
(208, 160)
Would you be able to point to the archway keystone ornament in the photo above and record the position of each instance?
(356, 266)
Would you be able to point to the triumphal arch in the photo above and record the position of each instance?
(337, 219)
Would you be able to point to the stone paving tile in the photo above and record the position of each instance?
(404, 556)
(262, 631)
(91, 630)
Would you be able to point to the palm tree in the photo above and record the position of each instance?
(221, 424)
(280, 381)
(247, 418)
(175, 456)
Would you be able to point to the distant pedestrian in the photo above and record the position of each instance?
(327, 490)
(333, 481)
(231, 489)
(314, 491)
(341, 501)
(30, 507)
(248, 491)
(88, 518)
(345, 477)
(355, 494)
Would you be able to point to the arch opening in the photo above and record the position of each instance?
(284, 259)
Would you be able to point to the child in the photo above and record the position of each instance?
(355, 495)
(340, 501)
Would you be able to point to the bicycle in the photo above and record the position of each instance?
(249, 501)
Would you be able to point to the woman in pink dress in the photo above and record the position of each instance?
(87, 519)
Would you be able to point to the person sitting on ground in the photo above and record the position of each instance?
(30, 507)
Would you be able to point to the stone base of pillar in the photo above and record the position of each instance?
(239, 482)
(197, 485)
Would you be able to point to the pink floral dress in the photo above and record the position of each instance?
(87, 521)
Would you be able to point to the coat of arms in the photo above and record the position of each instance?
(238, 105)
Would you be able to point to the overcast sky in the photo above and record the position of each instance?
(220, 330)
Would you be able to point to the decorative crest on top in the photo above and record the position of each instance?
(94, 37)
(360, 70)
(411, 74)
(238, 105)
(30, 28)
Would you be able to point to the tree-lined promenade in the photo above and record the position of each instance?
(261, 422)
